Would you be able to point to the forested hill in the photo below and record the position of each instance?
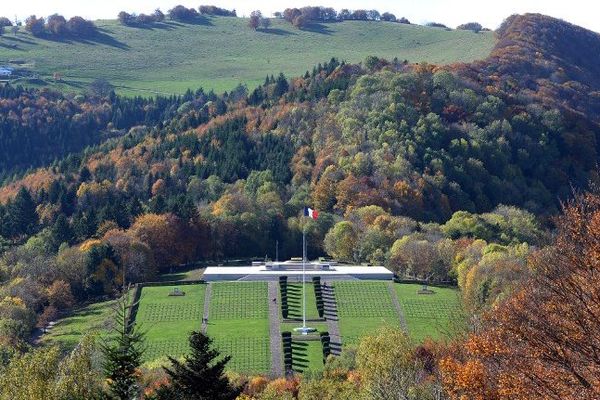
(551, 60)
(416, 140)
(218, 53)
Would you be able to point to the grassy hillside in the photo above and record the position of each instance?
(223, 52)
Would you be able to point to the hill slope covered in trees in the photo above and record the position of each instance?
(221, 52)
(418, 140)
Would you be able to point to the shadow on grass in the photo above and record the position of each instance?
(200, 20)
(316, 27)
(300, 360)
(13, 46)
(100, 37)
(276, 31)
(165, 26)
(18, 39)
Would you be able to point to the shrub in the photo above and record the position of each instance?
(471, 26)
(77, 26)
(300, 21)
(181, 13)
(214, 10)
(35, 25)
(5, 22)
(436, 25)
(386, 16)
(254, 20)
(56, 24)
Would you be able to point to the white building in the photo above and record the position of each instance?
(271, 271)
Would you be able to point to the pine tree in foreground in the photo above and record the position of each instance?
(200, 376)
(123, 354)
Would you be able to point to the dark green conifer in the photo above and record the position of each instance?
(200, 376)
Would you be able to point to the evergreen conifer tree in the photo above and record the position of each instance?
(123, 354)
(61, 231)
(22, 214)
(200, 376)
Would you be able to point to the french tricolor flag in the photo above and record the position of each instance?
(309, 212)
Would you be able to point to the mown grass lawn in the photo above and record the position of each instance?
(429, 315)
(93, 319)
(169, 320)
(307, 355)
(363, 307)
(295, 301)
(221, 52)
(239, 325)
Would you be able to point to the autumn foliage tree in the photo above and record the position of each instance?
(254, 21)
(165, 235)
(544, 341)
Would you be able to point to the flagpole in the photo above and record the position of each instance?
(304, 330)
(304, 276)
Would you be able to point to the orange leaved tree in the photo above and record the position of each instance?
(543, 342)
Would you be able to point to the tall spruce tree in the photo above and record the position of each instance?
(200, 376)
(22, 214)
(61, 231)
(123, 353)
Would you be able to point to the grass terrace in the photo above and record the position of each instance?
(68, 332)
(307, 355)
(295, 301)
(363, 306)
(239, 324)
(429, 315)
(169, 320)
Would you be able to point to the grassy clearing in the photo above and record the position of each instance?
(239, 324)
(68, 332)
(363, 306)
(429, 315)
(223, 52)
(295, 301)
(169, 320)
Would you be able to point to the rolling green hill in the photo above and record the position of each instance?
(222, 52)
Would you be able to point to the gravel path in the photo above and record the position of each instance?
(331, 315)
(275, 342)
(397, 305)
(207, 295)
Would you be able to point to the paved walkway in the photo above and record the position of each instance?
(331, 315)
(398, 306)
(207, 295)
(275, 342)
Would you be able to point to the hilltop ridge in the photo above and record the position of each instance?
(552, 60)
(222, 52)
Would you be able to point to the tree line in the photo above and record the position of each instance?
(299, 17)
(58, 26)
(177, 13)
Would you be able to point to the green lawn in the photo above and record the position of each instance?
(223, 52)
(363, 306)
(169, 320)
(295, 301)
(239, 324)
(95, 318)
(307, 355)
(429, 315)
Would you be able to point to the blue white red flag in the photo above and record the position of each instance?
(309, 212)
